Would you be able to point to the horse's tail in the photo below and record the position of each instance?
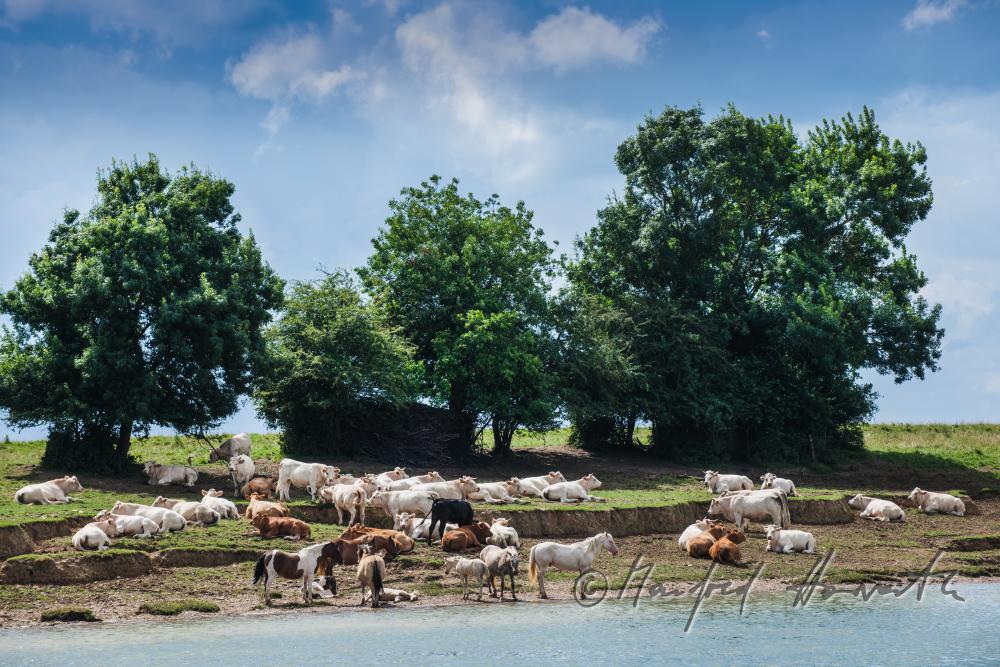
(259, 570)
(532, 567)
(377, 587)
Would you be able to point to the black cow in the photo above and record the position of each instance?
(445, 511)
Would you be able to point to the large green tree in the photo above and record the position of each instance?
(764, 273)
(467, 282)
(334, 366)
(146, 311)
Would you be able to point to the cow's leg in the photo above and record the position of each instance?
(340, 515)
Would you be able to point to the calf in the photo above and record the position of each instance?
(95, 535)
(267, 508)
(467, 568)
(125, 524)
(53, 492)
(726, 549)
(877, 509)
(242, 470)
(448, 510)
(789, 541)
(466, 537)
(574, 492)
(281, 526)
(264, 487)
(401, 543)
(533, 486)
(932, 503)
(494, 492)
(165, 475)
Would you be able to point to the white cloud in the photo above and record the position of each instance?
(931, 12)
(290, 68)
(763, 35)
(275, 119)
(342, 21)
(391, 7)
(576, 37)
(968, 293)
(992, 384)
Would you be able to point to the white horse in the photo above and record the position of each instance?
(578, 556)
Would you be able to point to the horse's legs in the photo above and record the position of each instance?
(541, 583)
(513, 591)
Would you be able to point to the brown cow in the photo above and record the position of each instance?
(265, 507)
(700, 545)
(404, 543)
(264, 487)
(466, 537)
(281, 526)
(726, 549)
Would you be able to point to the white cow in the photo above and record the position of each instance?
(242, 470)
(574, 492)
(166, 519)
(788, 541)
(346, 498)
(533, 486)
(95, 535)
(757, 506)
(234, 446)
(457, 489)
(495, 492)
(415, 526)
(53, 492)
(193, 512)
(504, 535)
(695, 529)
(932, 502)
(410, 482)
(468, 568)
(126, 524)
(390, 476)
(309, 476)
(770, 481)
(166, 474)
(877, 509)
(225, 508)
(395, 502)
(720, 483)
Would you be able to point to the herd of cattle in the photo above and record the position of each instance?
(423, 507)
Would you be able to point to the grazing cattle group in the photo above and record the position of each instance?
(431, 508)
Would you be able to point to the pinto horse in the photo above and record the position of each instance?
(302, 565)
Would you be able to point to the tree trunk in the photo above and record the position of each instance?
(630, 431)
(124, 441)
(503, 435)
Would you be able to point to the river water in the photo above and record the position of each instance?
(842, 630)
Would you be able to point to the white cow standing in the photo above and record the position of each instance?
(309, 476)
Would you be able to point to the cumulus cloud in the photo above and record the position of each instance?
(577, 36)
(931, 12)
(289, 68)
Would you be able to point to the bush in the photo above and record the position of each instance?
(68, 615)
(175, 607)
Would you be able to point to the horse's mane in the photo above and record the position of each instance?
(591, 543)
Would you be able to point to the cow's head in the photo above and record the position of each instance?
(148, 467)
(710, 477)
(771, 530)
(160, 501)
(254, 497)
(857, 502)
(501, 521)
(434, 476)
(378, 498)
(917, 495)
(590, 482)
(117, 507)
(260, 519)
(513, 486)
(109, 526)
(767, 477)
(736, 537)
(71, 484)
(103, 514)
(468, 484)
(716, 506)
(211, 493)
(397, 474)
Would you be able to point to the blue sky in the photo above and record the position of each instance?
(320, 112)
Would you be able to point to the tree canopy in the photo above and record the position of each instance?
(335, 365)
(146, 311)
(467, 282)
(763, 273)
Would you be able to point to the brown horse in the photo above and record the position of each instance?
(371, 574)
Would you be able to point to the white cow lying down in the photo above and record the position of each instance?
(417, 527)
(771, 481)
(503, 534)
(95, 535)
(787, 541)
(166, 519)
(533, 486)
(49, 493)
(127, 524)
(224, 508)
(164, 474)
(574, 492)
(931, 502)
(877, 509)
(721, 483)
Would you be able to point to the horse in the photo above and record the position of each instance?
(578, 556)
(371, 573)
(303, 564)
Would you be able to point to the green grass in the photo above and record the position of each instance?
(68, 615)
(935, 445)
(175, 607)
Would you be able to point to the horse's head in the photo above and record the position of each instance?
(512, 557)
(450, 564)
(608, 543)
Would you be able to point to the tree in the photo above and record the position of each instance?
(462, 277)
(764, 273)
(335, 366)
(146, 311)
